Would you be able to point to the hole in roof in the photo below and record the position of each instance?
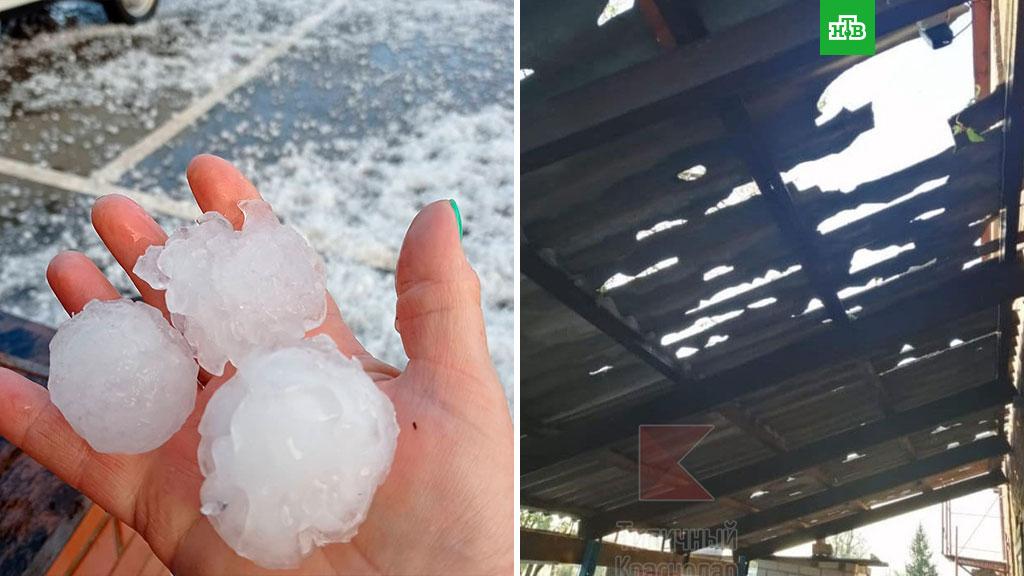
(848, 216)
(952, 445)
(715, 340)
(850, 291)
(853, 456)
(942, 428)
(812, 305)
(731, 292)
(612, 9)
(929, 215)
(758, 494)
(906, 348)
(619, 279)
(600, 370)
(659, 227)
(907, 360)
(524, 73)
(700, 325)
(763, 302)
(854, 290)
(979, 222)
(972, 263)
(686, 352)
(985, 434)
(692, 173)
(739, 195)
(865, 258)
(717, 271)
(913, 90)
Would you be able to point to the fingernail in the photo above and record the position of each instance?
(458, 215)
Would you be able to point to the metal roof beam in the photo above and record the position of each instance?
(555, 282)
(590, 307)
(750, 148)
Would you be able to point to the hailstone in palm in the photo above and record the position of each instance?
(122, 376)
(293, 447)
(231, 292)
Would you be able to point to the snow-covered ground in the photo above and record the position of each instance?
(377, 110)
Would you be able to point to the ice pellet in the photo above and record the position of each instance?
(231, 292)
(122, 376)
(293, 447)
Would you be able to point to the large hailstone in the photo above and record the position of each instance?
(293, 447)
(123, 378)
(231, 292)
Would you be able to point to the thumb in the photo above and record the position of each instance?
(438, 313)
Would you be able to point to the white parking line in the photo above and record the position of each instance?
(81, 185)
(154, 140)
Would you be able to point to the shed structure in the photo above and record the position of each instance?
(670, 274)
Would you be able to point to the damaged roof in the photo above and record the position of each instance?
(671, 275)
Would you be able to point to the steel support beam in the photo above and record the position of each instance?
(750, 148)
(553, 280)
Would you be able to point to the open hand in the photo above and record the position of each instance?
(447, 504)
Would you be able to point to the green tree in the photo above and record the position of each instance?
(920, 556)
(848, 545)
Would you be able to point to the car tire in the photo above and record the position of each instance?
(130, 11)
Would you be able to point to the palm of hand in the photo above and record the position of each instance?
(446, 506)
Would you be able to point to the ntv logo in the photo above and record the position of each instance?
(847, 27)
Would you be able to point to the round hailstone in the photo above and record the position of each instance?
(231, 292)
(123, 378)
(293, 447)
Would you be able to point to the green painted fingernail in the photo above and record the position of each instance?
(458, 215)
